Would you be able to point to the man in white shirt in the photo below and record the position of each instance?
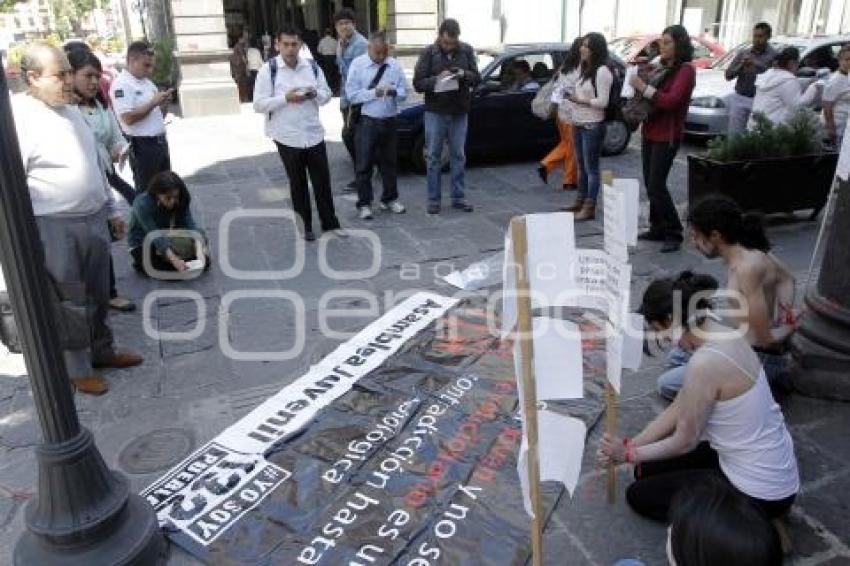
(289, 91)
(376, 82)
(836, 98)
(141, 108)
(71, 202)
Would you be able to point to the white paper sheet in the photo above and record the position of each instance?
(446, 84)
(617, 290)
(615, 223)
(561, 448)
(628, 91)
(630, 188)
(478, 275)
(633, 342)
(558, 367)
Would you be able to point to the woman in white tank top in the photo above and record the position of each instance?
(724, 422)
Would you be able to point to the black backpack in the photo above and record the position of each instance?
(614, 110)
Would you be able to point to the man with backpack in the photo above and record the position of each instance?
(289, 91)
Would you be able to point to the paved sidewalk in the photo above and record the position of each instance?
(188, 391)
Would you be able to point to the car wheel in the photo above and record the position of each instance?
(617, 136)
(419, 156)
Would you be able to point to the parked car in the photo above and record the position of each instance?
(500, 119)
(708, 114)
(637, 49)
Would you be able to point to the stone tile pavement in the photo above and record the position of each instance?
(191, 390)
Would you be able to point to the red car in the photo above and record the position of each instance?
(636, 49)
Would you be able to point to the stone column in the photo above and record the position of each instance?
(206, 87)
(411, 24)
(821, 347)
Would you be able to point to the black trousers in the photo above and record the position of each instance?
(657, 483)
(298, 162)
(376, 145)
(657, 162)
(148, 156)
(348, 133)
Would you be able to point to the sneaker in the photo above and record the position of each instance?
(93, 384)
(122, 304)
(119, 360)
(463, 205)
(433, 209)
(393, 206)
(365, 213)
(338, 232)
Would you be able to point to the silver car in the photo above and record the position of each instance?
(708, 114)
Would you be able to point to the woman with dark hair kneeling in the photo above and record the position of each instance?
(724, 422)
(165, 206)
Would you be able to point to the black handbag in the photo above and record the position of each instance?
(355, 110)
(637, 109)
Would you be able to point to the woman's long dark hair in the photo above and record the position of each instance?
(167, 181)
(573, 57)
(598, 55)
(712, 523)
(724, 215)
(684, 296)
(79, 56)
(684, 47)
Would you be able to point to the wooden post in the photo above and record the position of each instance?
(610, 394)
(529, 391)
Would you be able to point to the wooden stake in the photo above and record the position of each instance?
(611, 429)
(610, 394)
(529, 391)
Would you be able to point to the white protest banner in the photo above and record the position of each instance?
(558, 367)
(633, 342)
(630, 189)
(561, 440)
(617, 289)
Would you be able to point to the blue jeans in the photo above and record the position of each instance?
(588, 148)
(440, 127)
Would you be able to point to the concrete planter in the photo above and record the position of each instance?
(765, 185)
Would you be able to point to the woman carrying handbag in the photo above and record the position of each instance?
(563, 153)
(662, 132)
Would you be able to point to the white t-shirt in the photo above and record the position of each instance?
(328, 46)
(595, 98)
(60, 157)
(837, 91)
(129, 93)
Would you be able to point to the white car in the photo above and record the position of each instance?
(708, 114)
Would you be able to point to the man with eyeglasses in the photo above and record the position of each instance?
(141, 108)
(72, 204)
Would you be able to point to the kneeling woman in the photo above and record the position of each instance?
(724, 422)
(165, 207)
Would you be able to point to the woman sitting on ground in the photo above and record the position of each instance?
(165, 206)
(724, 422)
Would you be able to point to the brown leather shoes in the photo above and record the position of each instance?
(93, 384)
(120, 359)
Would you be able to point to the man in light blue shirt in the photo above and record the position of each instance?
(376, 83)
(351, 46)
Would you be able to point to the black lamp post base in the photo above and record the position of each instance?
(84, 514)
(821, 351)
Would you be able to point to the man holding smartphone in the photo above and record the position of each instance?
(446, 72)
(745, 67)
(376, 83)
(141, 108)
(289, 91)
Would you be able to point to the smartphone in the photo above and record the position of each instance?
(390, 92)
(310, 94)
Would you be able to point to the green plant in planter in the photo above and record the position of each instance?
(800, 136)
(163, 65)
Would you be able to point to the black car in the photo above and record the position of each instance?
(500, 119)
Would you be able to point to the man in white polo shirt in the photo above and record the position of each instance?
(71, 202)
(288, 91)
(140, 107)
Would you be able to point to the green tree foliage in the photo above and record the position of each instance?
(71, 13)
(800, 136)
(8, 5)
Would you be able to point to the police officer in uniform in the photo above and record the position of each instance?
(140, 107)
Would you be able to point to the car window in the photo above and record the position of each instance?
(700, 50)
(540, 66)
(823, 57)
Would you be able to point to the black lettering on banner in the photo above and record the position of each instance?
(160, 493)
